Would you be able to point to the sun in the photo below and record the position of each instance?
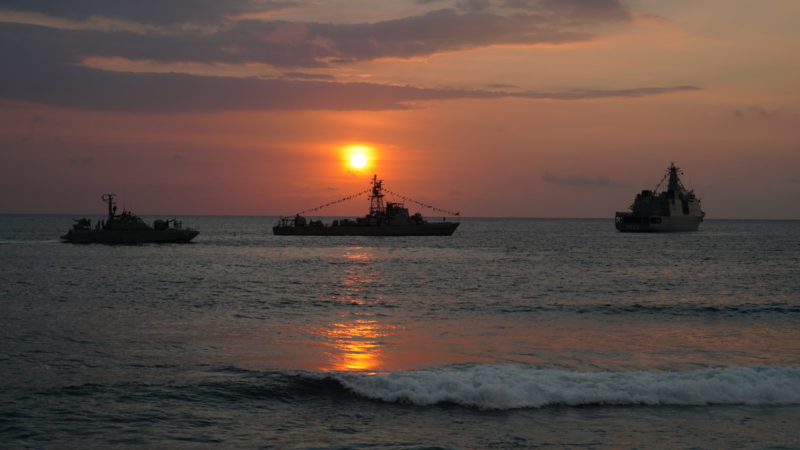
(357, 157)
(358, 160)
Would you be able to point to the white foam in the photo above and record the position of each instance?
(509, 387)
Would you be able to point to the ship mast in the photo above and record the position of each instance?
(674, 183)
(112, 207)
(376, 205)
(673, 178)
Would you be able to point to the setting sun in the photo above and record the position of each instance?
(358, 161)
(357, 157)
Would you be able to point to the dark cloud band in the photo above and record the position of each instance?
(45, 64)
(307, 44)
(150, 12)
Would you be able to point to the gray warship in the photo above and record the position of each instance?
(383, 219)
(126, 228)
(676, 209)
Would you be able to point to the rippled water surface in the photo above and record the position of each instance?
(510, 333)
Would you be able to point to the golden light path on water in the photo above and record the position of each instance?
(355, 318)
(355, 343)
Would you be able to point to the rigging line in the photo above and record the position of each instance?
(422, 204)
(665, 177)
(349, 197)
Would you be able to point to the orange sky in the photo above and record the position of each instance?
(530, 108)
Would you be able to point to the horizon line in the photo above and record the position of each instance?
(347, 216)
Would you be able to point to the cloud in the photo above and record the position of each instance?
(150, 12)
(72, 86)
(586, 9)
(308, 76)
(756, 110)
(501, 86)
(581, 181)
(474, 5)
(93, 89)
(208, 12)
(308, 44)
(44, 65)
(442, 31)
(588, 94)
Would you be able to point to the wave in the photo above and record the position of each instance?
(484, 387)
(502, 387)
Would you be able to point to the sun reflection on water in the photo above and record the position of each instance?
(356, 345)
(356, 278)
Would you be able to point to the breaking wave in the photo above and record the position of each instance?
(510, 387)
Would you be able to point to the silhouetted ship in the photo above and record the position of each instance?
(676, 209)
(384, 219)
(126, 228)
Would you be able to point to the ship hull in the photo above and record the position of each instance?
(429, 229)
(628, 222)
(113, 237)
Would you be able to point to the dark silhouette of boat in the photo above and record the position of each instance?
(384, 219)
(126, 228)
(676, 209)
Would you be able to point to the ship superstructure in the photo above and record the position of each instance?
(674, 209)
(384, 219)
(126, 228)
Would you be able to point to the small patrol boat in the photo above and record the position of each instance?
(126, 228)
(676, 209)
(384, 219)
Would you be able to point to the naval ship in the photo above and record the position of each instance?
(383, 219)
(126, 228)
(676, 209)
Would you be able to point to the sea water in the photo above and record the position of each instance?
(511, 333)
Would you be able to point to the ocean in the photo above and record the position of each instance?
(512, 333)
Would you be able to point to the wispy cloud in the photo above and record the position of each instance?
(588, 94)
(93, 89)
(582, 181)
(308, 76)
(755, 110)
